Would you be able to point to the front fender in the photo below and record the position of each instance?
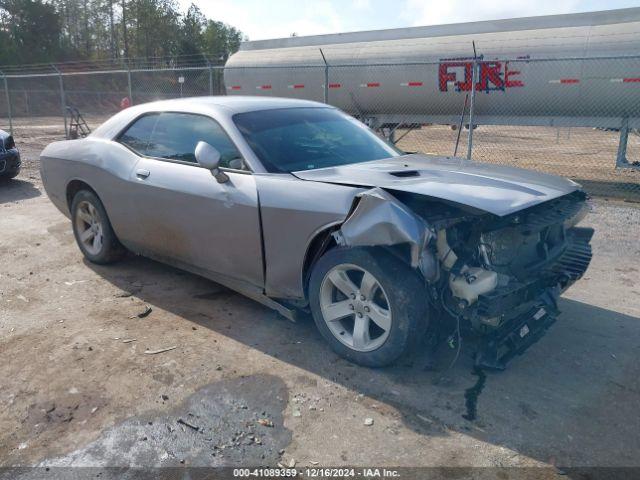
(293, 213)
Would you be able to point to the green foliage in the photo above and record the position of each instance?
(42, 31)
(222, 40)
(30, 29)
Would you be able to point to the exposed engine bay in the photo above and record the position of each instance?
(504, 275)
(499, 277)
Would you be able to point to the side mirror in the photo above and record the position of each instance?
(208, 157)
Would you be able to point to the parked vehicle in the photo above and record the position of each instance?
(302, 207)
(9, 157)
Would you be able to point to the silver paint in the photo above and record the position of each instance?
(380, 219)
(495, 189)
(254, 233)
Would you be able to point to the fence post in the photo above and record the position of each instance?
(621, 157)
(6, 92)
(474, 74)
(63, 101)
(326, 78)
(210, 78)
(129, 83)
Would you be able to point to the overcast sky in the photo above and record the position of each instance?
(261, 19)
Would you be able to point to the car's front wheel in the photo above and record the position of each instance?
(370, 306)
(92, 229)
(9, 176)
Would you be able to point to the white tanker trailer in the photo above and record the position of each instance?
(563, 70)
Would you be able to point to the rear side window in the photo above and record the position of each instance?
(137, 136)
(174, 136)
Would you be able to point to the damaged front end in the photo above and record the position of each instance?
(499, 277)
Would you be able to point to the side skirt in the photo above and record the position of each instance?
(245, 288)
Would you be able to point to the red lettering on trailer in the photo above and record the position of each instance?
(236, 87)
(490, 73)
(264, 87)
(508, 74)
(371, 85)
(296, 86)
(569, 80)
(445, 76)
(412, 84)
(334, 85)
(494, 75)
(631, 80)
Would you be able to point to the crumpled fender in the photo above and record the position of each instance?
(377, 218)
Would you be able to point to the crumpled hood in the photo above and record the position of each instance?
(493, 188)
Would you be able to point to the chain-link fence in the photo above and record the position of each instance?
(576, 117)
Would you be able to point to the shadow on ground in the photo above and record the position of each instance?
(571, 399)
(15, 190)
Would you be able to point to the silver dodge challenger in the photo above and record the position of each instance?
(305, 209)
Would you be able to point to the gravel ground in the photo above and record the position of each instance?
(586, 155)
(78, 389)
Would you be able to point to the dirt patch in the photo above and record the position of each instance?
(586, 155)
(73, 407)
(65, 324)
(231, 422)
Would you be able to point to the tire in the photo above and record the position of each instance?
(6, 178)
(365, 334)
(100, 245)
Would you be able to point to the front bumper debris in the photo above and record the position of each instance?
(518, 334)
(529, 309)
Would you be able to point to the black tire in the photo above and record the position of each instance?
(110, 249)
(6, 178)
(407, 302)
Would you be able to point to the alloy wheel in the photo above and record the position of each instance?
(89, 227)
(355, 307)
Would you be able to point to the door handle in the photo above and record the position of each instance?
(142, 173)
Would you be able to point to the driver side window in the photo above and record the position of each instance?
(174, 136)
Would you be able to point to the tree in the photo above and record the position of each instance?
(33, 31)
(192, 38)
(221, 40)
(157, 28)
(33, 28)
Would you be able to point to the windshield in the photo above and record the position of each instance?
(292, 139)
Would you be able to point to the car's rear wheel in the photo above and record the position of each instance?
(92, 229)
(370, 306)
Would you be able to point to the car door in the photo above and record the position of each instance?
(183, 213)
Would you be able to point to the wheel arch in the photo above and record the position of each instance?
(73, 187)
(323, 240)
